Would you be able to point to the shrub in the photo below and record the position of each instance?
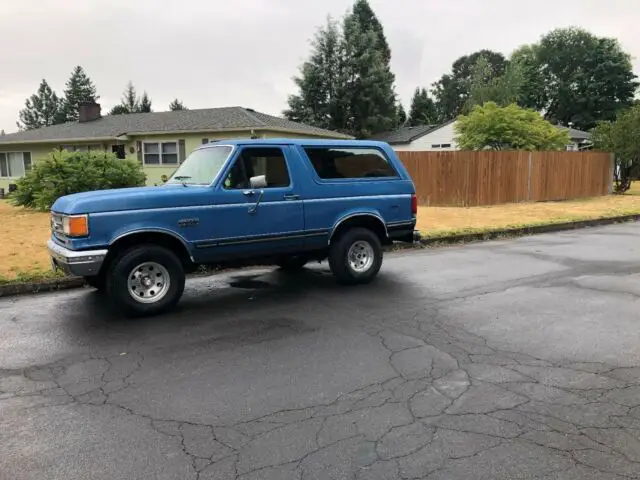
(490, 127)
(63, 173)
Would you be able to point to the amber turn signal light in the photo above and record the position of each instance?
(76, 226)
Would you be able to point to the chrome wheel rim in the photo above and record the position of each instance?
(149, 282)
(361, 256)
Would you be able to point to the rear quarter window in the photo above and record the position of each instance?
(335, 162)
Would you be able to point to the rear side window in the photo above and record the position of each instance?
(334, 162)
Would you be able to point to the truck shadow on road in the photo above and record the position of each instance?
(250, 306)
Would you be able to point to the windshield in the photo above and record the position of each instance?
(202, 166)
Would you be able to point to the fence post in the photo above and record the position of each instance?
(529, 178)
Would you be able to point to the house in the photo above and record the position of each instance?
(160, 141)
(442, 138)
(420, 138)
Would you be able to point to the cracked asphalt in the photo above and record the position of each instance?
(515, 359)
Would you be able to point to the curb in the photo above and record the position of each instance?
(524, 231)
(75, 282)
(40, 287)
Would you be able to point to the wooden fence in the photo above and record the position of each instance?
(465, 178)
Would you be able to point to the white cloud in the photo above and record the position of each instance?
(218, 53)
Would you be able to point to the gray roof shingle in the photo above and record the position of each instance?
(404, 134)
(209, 119)
(575, 134)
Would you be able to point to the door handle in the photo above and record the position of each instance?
(249, 193)
(292, 196)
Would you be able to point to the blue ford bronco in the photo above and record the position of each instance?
(283, 201)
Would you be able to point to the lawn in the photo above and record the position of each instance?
(23, 253)
(438, 221)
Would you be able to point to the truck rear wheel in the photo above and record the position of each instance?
(145, 280)
(356, 256)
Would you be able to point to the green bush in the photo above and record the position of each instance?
(63, 173)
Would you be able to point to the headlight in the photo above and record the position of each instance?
(75, 226)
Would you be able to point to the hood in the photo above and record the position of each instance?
(138, 198)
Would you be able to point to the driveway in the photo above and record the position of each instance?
(503, 360)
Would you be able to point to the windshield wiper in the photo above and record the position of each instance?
(182, 178)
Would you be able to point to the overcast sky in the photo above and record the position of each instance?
(214, 53)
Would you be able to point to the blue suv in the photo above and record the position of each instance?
(282, 201)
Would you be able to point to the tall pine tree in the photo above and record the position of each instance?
(368, 21)
(41, 109)
(79, 88)
(177, 105)
(401, 115)
(145, 104)
(369, 80)
(321, 99)
(423, 109)
(131, 103)
(347, 84)
(130, 99)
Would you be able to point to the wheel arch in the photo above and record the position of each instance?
(369, 220)
(163, 238)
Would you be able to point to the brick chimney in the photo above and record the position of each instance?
(88, 111)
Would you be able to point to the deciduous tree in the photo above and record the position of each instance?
(485, 87)
(622, 138)
(491, 127)
(573, 76)
(452, 90)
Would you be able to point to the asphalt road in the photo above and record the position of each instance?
(504, 360)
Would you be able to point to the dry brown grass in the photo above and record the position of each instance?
(23, 253)
(438, 221)
(23, 241)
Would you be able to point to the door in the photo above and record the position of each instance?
(255, 220)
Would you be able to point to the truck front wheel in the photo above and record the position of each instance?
(145, 280)
(356, 256)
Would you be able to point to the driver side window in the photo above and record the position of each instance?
(253, 162)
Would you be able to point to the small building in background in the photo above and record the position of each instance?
(426, 138)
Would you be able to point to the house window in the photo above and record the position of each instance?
(445, 145)
(332, 163)
(161, 153)
(82, 148)
(119, 151)
(437, 145)
(14, 164)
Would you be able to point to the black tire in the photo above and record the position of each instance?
(117, 280)
(339, 256)
(97, 282)
(294, 263)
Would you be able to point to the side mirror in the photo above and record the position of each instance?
(259, 181)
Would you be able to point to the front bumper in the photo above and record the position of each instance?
(81, 264)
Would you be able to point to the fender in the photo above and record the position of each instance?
(154, 230)
(346, 217)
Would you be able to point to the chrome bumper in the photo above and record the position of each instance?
(81, 264)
